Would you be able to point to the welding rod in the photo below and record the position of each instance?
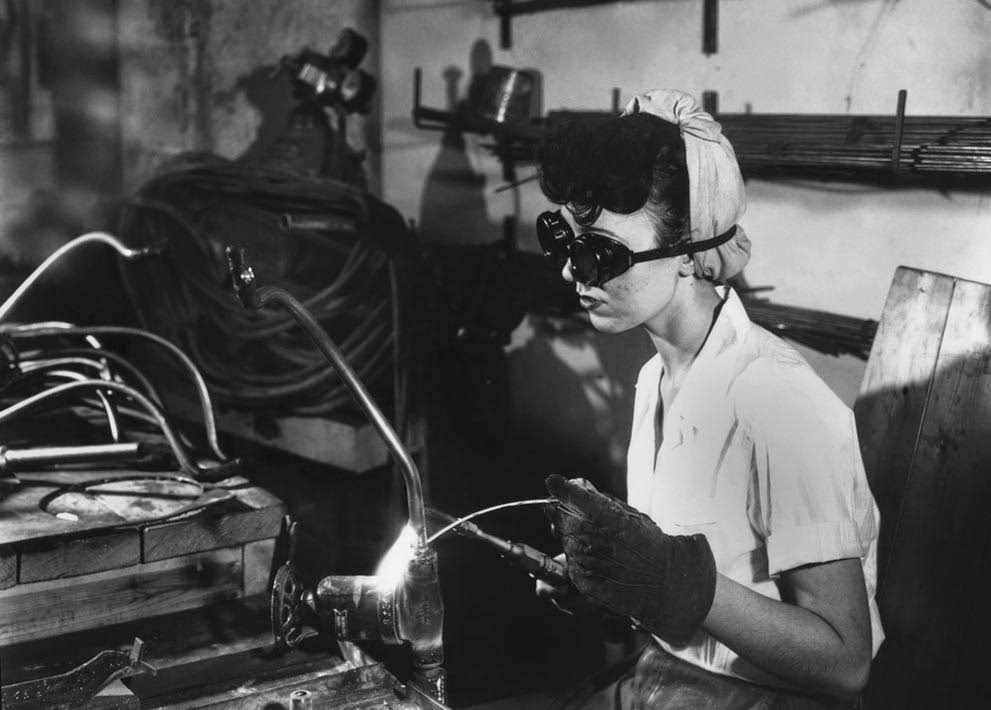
(537, 563)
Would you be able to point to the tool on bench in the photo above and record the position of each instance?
(33, 458)
(78, 686)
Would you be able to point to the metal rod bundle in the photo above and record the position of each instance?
(917, 144)
(828, 333)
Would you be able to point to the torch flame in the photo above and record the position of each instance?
(392, 568)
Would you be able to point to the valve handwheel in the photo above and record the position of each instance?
(285, 602)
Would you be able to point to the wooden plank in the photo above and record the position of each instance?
(896, 384)
(71, 557)
(25, 520)
(258, 557)
(258, 516)
(40, 609)
(8, 567)
(943, 527)
(967, 448)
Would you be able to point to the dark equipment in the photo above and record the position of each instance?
(334, 79)
(404, 605)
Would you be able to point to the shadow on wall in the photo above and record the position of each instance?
(573, 403)
(271, 95)
(453, 207)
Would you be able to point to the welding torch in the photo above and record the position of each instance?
(539, 564)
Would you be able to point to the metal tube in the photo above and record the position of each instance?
(185, 463)
(108, 406)
(21, 459)
(50, 329)
(414, 488)
(87, 238)
(253, 296)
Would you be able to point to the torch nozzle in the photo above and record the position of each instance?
(537, 563)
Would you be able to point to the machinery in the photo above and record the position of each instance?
(403, 602)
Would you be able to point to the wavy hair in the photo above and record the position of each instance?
(621, 164)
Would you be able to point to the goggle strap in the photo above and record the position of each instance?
(686, 248)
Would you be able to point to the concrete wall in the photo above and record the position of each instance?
(832, 247)
(200, 74)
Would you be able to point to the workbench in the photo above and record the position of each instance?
(85, 570)
(219, 656)
(73, 560)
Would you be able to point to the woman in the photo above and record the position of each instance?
(747, 548)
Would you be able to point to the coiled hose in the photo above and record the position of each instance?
(315, 237)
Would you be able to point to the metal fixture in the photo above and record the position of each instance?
(400, 605)
(334, 79)
(78, 686)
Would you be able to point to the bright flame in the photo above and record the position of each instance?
(392, 568)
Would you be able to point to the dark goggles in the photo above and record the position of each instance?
(595, 257)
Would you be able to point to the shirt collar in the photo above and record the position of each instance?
(709, 377)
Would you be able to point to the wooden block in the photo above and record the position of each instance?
(8, 567)
(258, 566)
(214, 529)
(352, 445)
(56, 559)
(40, 609)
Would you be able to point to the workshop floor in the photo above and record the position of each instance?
(533, 701)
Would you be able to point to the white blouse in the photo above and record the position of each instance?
(760, 456)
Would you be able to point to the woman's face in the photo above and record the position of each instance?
(643, 294)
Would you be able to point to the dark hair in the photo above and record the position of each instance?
(618, 163)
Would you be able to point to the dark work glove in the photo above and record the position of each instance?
(620, 558)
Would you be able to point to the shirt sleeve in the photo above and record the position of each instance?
(807, 493)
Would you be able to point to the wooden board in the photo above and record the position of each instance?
(25, 520)
(258, 516)
(348, 444)
(8, 567)
(37, 545)
(39, 609)
(925, 426)
(896, 384)
(259, 557)
(97, 552)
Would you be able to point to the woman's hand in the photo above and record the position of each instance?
(566, 597)
(621, 559)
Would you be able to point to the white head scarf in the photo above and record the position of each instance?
(715, 187)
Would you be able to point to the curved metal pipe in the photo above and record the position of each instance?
(78, 356)
(108, 407)
(253, 296)
(185, 463)
(87, 238)
(33, 330)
